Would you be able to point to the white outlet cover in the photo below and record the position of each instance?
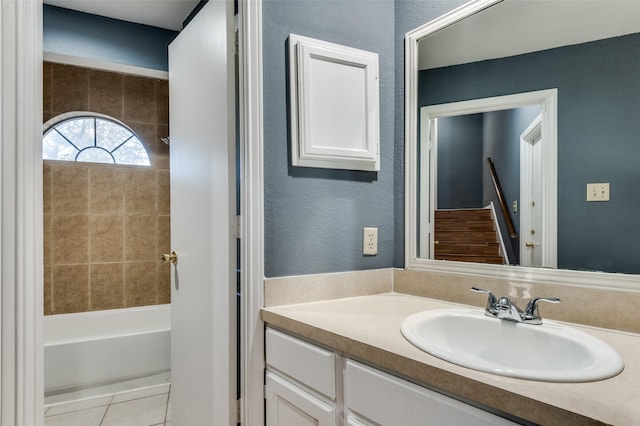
(598, 192)
(370, 241)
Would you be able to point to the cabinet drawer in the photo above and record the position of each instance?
(388, 400)
(310, 365)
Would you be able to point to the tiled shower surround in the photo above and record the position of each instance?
(105, 226)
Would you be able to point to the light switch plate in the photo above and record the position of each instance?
(597, 192)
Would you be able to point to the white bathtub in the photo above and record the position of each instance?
(91, 348)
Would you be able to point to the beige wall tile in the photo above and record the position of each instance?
(162, 102)
(164, 282)
(164, 235)
(70, 188)
(69, 88)
(160, 150)
(70, 288)
(70, 239)
(46, 87)
(139, 99)
(140, 238)
(140, 191)
(106, 93)
(107, 286)
(48, 290)
(164, 192)
(106, 238)
(106, 190)
(46, 187)
(47, 240)
(141, 283)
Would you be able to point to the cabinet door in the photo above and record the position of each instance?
(288, 405)
(388, 400)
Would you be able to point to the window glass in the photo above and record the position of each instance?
(95, 139)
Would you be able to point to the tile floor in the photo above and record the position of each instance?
(146, 406)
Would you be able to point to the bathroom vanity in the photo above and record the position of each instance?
(345, 360)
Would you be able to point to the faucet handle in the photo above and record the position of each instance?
(531, 311)
(491, 302)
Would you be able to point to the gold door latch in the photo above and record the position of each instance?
(166, 258)
(530, 244)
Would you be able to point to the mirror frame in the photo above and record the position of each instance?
(611, 281)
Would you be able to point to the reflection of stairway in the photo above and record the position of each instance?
(467, 235)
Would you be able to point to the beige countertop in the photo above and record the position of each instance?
(367, 328)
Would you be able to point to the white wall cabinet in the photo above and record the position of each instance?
(304, 387)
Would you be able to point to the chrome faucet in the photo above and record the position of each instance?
(505, 309)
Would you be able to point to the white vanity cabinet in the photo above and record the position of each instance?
(300, 384)
(309, 385)
(373, 397)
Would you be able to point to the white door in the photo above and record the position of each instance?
(531, 195)
(201, 96)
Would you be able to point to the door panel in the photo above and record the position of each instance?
(201, 95)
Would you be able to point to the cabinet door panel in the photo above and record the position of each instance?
(288, 405)
(388, 400)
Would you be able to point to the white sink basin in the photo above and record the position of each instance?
(549, 352)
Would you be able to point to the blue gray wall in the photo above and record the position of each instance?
(68, 32)
(598, 87)
(314, 218)
(460, 162)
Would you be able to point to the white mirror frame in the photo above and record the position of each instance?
(612, 281)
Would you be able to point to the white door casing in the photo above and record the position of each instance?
(547, 100)
(531, 209)
(202, 128)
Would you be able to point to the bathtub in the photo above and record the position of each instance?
(91, 348)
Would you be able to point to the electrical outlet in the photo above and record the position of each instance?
(370, 241)
(597, 192)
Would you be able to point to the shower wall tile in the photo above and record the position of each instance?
(164, 235)
(160, 150)
(70, 239)
(46, 187)
(47, 231)
(164, 192)
(140, 191)
(46, 88)
(141, 283)
(106, 93)
(162, 102)
(106, 190)
(88, 215)
(71, 288)
(139, 99)
(48, 290)
(71, 183)
(69, 88)
(107, 286)
(141, 238)
(164, 283)
(106, 238)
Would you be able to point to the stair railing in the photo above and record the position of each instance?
(501, 200)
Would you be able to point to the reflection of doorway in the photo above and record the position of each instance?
(544, 147)
(531, 194)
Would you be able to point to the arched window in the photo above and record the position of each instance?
(94, 138)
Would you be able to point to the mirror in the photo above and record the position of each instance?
(586, 50)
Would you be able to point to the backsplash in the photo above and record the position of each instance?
(105, 226)
(612, 309)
